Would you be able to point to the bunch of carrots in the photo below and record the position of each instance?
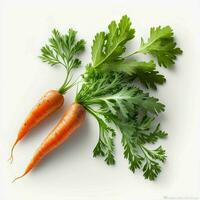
(108, 67)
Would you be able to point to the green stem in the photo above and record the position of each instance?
(141, 49)
(131, 54)
(145, 154)
(65, 83)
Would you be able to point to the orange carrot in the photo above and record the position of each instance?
(71, 120)
(47, 105)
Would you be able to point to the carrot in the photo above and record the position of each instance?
(71, 120)
(47, 105)
(60, 50)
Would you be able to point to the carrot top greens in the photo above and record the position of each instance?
(109, 93)
(63, 50)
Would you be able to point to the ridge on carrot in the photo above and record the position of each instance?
(109, 94)
(61, 50)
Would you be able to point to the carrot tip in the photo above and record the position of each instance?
(11, 152)
(10, 160)
(18, 178)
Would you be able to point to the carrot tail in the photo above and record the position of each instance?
(19, 177)
(11, 152)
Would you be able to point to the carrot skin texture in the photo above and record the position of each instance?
(71, 120)
(47, 105)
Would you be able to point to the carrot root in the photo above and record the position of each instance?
(10, 159)
(46, 106)
(19, 177)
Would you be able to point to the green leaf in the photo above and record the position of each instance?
(152, 167)
(135, 151)
(151, 137)
(157, 154)
(153, 105)
(145, 132)
(150, 79)
(49, 56)
(109, 94)
(63, 49)
(144, 71)
(131, 152)
(97, 48)
(126, 100)
(112, 94)
(110, 46)
(105, 144)
(130, 67)
(108, 97)
(161, 44)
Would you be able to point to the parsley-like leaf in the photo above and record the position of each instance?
(110, 100)
(151, 137)
(152, 157)
(63, 49)
(107, 50)
(129, 66)
(135, 151)
(112, 93)
(144, 71)
(109, 47)
(130, 151)
(105, 144)
(109, 94)
(161, 44)
(150, 79)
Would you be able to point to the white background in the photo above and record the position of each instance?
(71, 173)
